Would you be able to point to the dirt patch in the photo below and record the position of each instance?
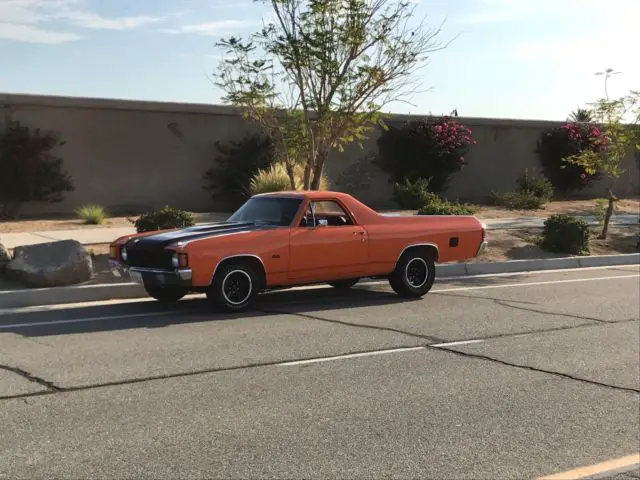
(33, 225)
(629, 206)
(522, 244)
(573, 207)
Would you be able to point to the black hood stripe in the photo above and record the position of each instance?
(162, 240)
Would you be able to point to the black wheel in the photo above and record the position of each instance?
(344, 284)
(234, 287)
(414, 274)
(166, 293)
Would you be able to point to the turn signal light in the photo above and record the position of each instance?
(180, 260)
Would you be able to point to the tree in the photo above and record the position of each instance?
(581, 115)
(317, 77)
(29, 170)
(620, 122)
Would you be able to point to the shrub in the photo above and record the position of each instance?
(236, 164)
(29, 170)
(165, 218)
(566, 234)
(531, 193)
(412, 195)
(562, 142)
(432, 148)
(276, 179)
(540, 186)
(439, 206)
(272, 179)
(92, 214)
(516, 200)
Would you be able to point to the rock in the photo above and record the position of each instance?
(52, 264)
(4, 257)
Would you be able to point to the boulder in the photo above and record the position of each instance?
(51, 264)
(4, 257)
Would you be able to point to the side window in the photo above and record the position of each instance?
(327, 211)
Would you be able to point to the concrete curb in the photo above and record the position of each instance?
(116, 291)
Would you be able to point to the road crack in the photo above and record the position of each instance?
(589, 324)
(133, 381)
(509, 304)
(357, 325)
(533, 369)
(32, 378)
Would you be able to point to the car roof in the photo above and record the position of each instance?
(305, 194)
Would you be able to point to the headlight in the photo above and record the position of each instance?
(175, 260)
(123, 253)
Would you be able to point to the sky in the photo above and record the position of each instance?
(526, 59)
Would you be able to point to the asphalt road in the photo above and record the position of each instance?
(515, 376)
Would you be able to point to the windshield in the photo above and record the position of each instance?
(268, 210)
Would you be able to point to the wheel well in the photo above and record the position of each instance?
(429, 250)
(255, 262)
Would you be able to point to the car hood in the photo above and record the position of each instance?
(198, 232)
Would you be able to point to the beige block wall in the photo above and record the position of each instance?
(132, 156)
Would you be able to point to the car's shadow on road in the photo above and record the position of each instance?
(148, 313)
(191, 310)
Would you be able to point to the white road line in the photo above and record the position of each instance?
(351, 355)
(71, 306)
(452, 344)
(78, 305)
(530, 284)
(92, 319)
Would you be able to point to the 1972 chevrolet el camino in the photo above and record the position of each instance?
(288, 239)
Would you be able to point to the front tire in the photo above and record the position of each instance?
(414, 274)
(234, 287)
(166, 293)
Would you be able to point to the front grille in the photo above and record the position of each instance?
(149, 259)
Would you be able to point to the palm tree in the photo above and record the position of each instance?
(581, 115)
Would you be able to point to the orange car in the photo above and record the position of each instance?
(288, 239)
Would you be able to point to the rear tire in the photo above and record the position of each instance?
(234, 287)
(166, 293)
(344, 284)
(414, 274)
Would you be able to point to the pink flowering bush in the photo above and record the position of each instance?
(564, 141)
(433, 149)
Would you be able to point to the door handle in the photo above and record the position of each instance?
(358, 233)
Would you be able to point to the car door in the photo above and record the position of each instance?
(327, 244)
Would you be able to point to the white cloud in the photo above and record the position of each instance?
(91, 20)
(32, 34)
(48, 21)
(214, 28)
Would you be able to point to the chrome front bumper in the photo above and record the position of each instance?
(152, 276)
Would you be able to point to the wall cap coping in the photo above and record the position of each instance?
(56, 101)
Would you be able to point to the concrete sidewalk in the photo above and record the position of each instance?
(102, 235)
